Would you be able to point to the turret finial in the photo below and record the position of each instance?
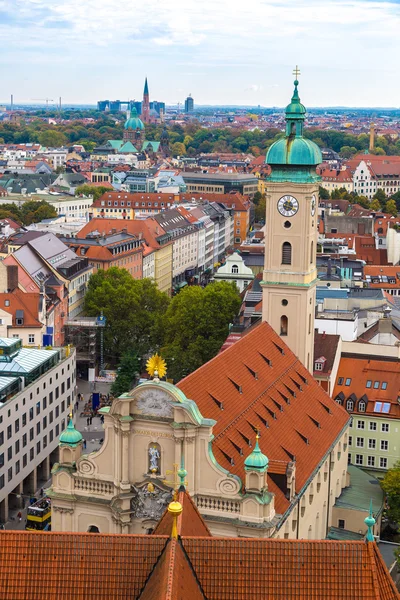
(370, 522)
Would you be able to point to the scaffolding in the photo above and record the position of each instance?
(82, 333)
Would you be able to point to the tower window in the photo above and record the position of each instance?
(286, 253)
(284, 325)
(235, 269)
(287, 224)
(312, 253)
(284, 302)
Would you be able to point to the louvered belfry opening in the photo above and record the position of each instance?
(286, 253)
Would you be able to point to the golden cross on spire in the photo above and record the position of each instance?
(177, 480)
(296, 72)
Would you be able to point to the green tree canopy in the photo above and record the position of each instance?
(52, 138)
(91, 190)
(133, 309)
(127, 372)
(178, 149)
(391, 487)
(391, 207)
(260, 209)
(196, 325)
(323, 193)
(375, 205)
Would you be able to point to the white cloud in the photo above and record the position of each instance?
(213, 37)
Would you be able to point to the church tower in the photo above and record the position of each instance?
(290, 273)
(146, 103)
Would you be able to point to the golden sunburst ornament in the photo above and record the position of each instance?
(156, 366)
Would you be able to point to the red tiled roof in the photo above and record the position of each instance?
(325, 346)
(189, 522)
(256, 382)
(359, 370)
(82, 566)
(243, 569)
(173, 577)
(28, 303)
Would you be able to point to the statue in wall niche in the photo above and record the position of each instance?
(154, 458)
(149, 502)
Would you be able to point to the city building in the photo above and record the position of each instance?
(185, 244)
(290, 271)
(157, 245)
(283, 484)
(221, 183)
(189, 104)
(37, 389)
(45, 258)
(234, 270)
(118, 249)
(367, 386)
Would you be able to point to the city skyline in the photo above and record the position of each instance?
(218, 53)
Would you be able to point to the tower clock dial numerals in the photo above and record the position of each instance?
(288, 206)
(313, 205)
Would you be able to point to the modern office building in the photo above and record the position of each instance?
(189, 104)
(37, 388)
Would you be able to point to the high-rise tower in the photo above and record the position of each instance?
(290, 273)
(146, 103)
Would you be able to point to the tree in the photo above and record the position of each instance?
(375, 205)
(323, 193)
(91, 190)
(260, 210)
(52, 139)
(196, 325)
(391, 487)
(178, 149)
(347, 151)
(257, 197)
(60, 169)
(391, 207)
(380, 196)
(128, 370)
(133, 309)
(35, 211)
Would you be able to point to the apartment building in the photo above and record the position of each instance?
(37, 389)
(367, 386)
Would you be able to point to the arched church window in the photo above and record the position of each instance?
(309, 324)
(154, 460)
(284, 325)
(286, 253)
(312, 253)
(93, 529)
(235, 269)
(293, 129)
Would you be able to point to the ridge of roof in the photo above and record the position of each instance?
(189, 522)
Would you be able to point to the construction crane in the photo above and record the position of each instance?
(47, 100)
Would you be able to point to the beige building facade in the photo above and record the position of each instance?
(126, 485)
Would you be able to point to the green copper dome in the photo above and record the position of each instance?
(256, 461)
(294, 151)
(294, 157)
(133, 122)
(70, 436)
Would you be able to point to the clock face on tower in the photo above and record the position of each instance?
(288, 206)
(313, 205)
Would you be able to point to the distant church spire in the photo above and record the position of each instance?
(146, 103)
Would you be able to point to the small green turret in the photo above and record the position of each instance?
(70, 436)
(256, 461)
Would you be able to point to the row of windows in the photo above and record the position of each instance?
(384, 444)
(31, 454)
(32, 415)
(373, 426)
(370, 462)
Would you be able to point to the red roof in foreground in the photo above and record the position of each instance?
(259, 380)
(87, 566)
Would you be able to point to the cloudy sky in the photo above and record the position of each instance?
(221, 51)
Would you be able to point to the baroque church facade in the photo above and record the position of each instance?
(263, 448)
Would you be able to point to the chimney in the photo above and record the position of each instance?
(329, 268)
(113, 231)
(12, 277)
